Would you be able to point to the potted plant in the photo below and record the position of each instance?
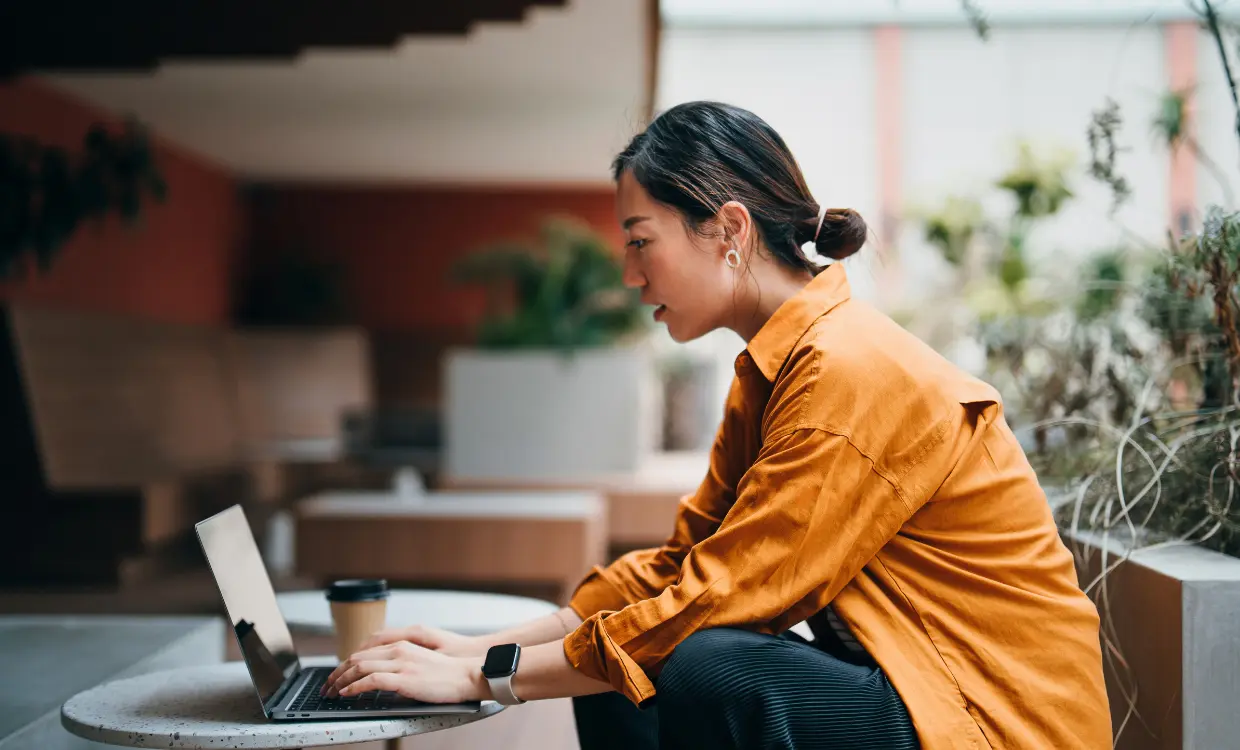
(559, 383)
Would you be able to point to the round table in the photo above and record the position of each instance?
(216, 706)
(464, 612)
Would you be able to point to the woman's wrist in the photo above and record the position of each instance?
(568, 620)
(478, 689)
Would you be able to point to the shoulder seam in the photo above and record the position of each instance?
(813, 385)
(886, 475)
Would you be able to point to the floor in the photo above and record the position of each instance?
(544, 725)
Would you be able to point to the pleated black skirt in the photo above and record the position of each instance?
(726, 688)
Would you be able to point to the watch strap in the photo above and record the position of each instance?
(501, 691)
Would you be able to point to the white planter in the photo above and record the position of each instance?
(1176, 616)
(534, 415)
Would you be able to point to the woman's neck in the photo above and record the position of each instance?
(767, 288)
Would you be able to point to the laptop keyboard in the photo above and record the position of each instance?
(310, 700)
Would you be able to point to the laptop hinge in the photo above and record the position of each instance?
(278, 697)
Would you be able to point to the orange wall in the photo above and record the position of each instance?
(397, 244)
(176, 264)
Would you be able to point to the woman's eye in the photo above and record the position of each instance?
(637, 244)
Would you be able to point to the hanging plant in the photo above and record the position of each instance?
(47, 192)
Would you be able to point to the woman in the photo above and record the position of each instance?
(858, 480)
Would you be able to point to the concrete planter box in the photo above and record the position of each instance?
(1176, 616)
(539, 415)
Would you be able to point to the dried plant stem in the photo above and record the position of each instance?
(1213, 168)
(1211, 17)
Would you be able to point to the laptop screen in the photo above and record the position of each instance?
(249, 599)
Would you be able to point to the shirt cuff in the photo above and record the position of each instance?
(596, 594)
(593, 652)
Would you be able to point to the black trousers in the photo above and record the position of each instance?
(727, 688)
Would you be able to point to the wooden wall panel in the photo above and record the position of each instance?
(119, 402)
(298, 385)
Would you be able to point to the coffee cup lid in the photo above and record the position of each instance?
(357, 590)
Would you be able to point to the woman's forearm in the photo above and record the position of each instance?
(553, 627)
(545, 672)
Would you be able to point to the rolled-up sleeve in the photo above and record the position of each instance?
(809, 514)
(643, 573)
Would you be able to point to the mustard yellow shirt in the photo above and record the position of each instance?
(856, 467)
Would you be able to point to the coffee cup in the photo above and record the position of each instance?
(359, 609)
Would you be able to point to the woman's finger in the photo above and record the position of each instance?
(377, 681)
(335, 674)
(340, 669)
(385, 637)
(378, 653)
(360, 670)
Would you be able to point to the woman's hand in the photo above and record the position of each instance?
(444, 641)
(413, 671)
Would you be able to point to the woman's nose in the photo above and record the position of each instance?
(633, 277)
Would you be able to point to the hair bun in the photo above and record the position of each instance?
(843, 233)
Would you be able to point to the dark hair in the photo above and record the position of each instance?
(699, 155)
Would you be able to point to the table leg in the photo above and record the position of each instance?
(393, 743)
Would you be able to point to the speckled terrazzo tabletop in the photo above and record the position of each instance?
(216, 707)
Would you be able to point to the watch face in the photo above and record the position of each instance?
(501, 660)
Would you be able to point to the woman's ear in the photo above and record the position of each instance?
(737, 225)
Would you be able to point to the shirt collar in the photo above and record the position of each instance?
(770, 347)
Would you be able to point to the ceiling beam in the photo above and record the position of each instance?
(82, 36)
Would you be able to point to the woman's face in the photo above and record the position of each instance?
(682, 273)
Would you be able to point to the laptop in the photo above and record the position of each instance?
(286, 690)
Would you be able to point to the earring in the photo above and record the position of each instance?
(732, 258)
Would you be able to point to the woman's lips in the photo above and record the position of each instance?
(658, 312)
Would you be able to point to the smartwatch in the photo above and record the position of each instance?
(499, 667)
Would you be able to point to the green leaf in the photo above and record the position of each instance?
(1171, 117)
